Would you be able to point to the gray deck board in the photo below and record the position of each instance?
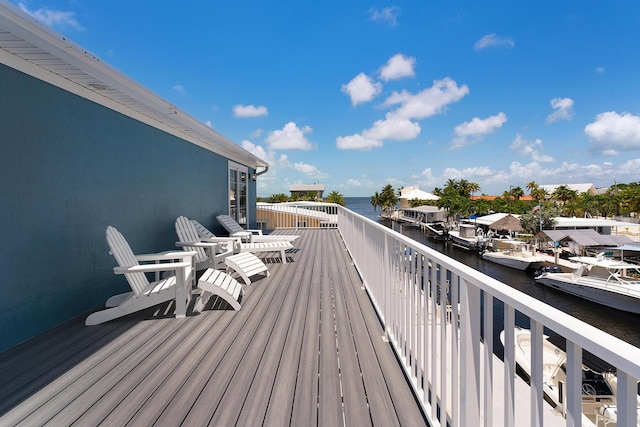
(305, 349)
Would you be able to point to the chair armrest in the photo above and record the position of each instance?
(167, 255)
(146, 268)
(255, 231)
(196, 244)
(220, 239)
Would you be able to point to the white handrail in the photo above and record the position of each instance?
(409, 282)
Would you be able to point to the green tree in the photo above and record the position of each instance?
(335, 197)
(278, 198)
(563, 193)
(388, 199)
(376, 201)
(539, 218)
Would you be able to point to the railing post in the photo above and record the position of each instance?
(574, 384)
(627, 410)
(536, 373)
(509, 366)
(470, 354)
(488, 358)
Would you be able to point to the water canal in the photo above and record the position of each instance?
(623, 325)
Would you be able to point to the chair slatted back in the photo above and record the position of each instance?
(201, 230)
(187, 233)
(123, 254)
(230, 225)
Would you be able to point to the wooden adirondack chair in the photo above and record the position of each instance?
(271, 246)
(145, 294)
(251, 235)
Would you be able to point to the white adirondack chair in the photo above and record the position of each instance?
(251, 235)
(243, 264)
(209, 254)
(143, 293)
(271, 246)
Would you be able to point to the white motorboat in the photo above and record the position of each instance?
(596, 390)
(599, 279)
(513, 253)
(468, 237)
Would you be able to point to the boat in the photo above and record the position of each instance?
(468, 237)
(596, 389)
(436, 230)
(599, 279)
(513, 253)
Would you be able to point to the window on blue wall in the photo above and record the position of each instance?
(238, 194)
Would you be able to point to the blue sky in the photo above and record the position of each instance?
(355, 95)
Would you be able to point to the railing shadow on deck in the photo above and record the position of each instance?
(408, 283)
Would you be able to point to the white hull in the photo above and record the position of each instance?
(467, 243)
(625, 297)
(553, 360)
(514, 261)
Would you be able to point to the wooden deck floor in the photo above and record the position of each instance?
(305, 349)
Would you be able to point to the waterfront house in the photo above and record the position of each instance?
(83, 147)
(303, 190)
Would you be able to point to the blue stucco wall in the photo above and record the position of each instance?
(68, 169)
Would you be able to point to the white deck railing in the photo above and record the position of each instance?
(297, 215)
(453, 367)
(405, 280)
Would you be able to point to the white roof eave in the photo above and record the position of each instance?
(36, 50)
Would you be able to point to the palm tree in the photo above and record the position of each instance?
(539, 194)
(467, 188)
(335, 197)
(278, 198)
(376, 202)
(517, 192)
(564, 193)
(532, 186)
(388, 199)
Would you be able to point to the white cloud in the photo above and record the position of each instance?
(309, 170)
(179, 88)
(281, 162)
(392, 127)
(528, 148)
(397, 67)
(600, 70)
(209, 124)
(473, 131)
(389, 128)
(564, 109)
(54, 18)
(388, 15)
(398, 124)
(612, 132)
(361, 89)
(256, 133)
(428, 102)
(249, 111)
(494, 41)
(291, 137)
(257, 150)
(357, 142)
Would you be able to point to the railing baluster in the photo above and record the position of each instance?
(536, 373)
(488, 358)
(574, 384)
(509, 366)
(469, 354)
